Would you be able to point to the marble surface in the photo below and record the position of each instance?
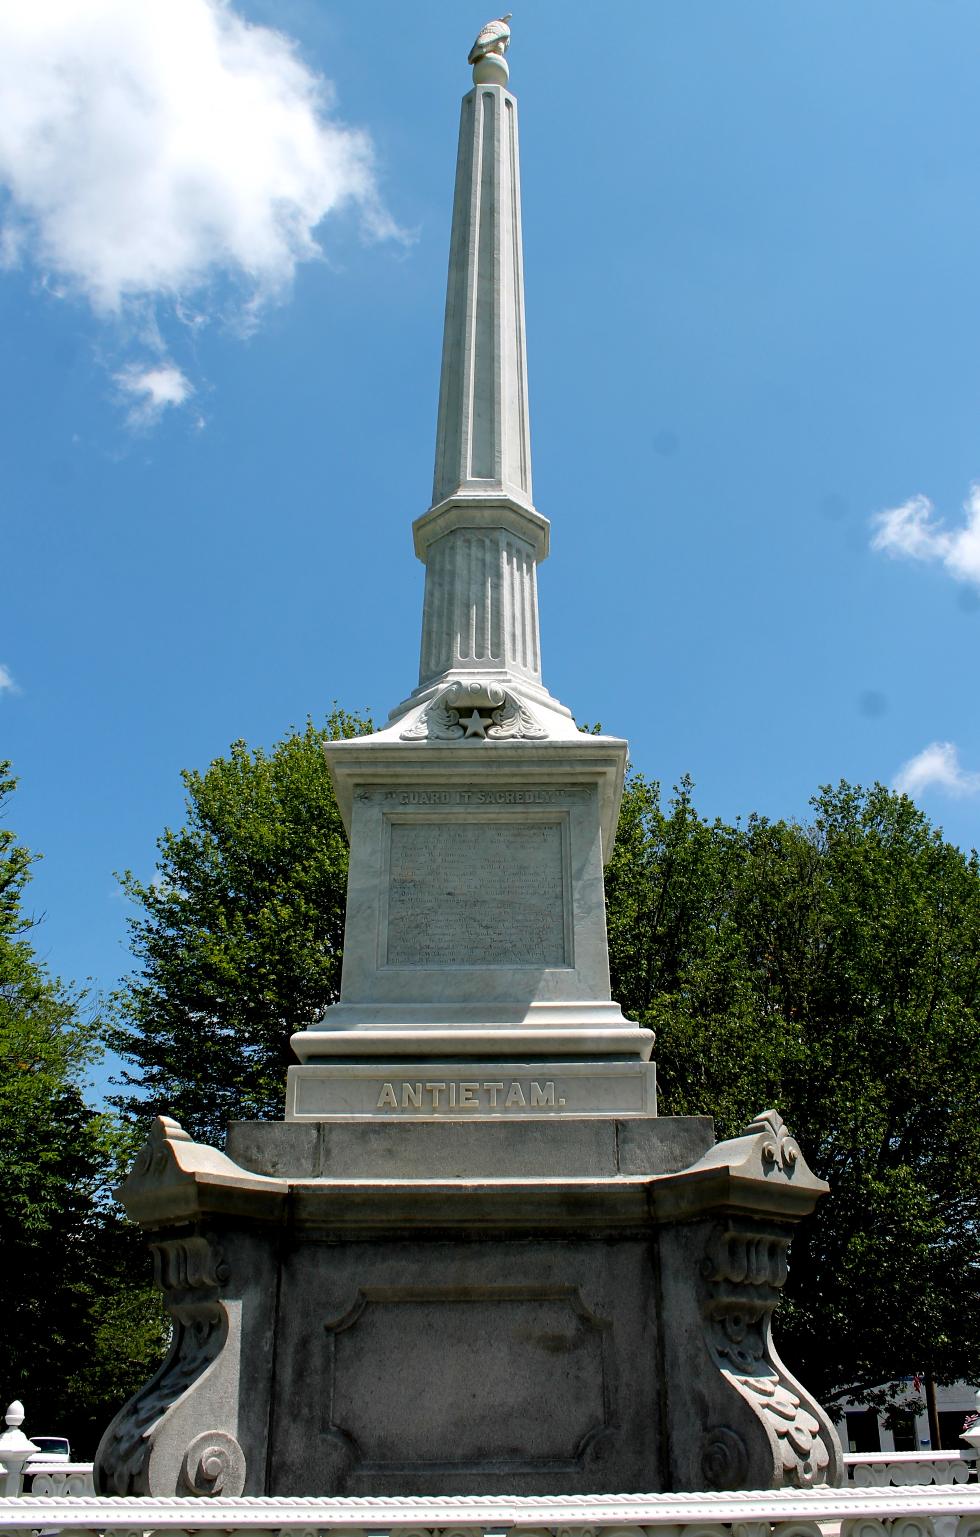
(483, 440)
(442, 1310)
(570, 1147)
(729, 1513)
(475, 907)
(471, 1091)
(482, 538)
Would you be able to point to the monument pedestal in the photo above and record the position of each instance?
(531, 1306)
(475, 909)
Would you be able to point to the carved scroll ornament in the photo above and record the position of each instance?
(213, 1465)
(744, 1270)
(189, 1272)
(780, 1149)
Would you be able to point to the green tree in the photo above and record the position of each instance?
(240, 935)
(78, 1334)
(827, 968)
(831, 969)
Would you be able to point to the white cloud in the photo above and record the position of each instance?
(936, 765)
(7, 684)
(148, 147)
(912, 531)
(10, 246)
(150, 390)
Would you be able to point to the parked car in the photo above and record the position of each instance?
(53, 1447)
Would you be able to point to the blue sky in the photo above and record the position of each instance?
(751, 237)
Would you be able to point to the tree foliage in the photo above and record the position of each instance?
(833, 970)
(827, 968)
(78, 1333)
(240, 935)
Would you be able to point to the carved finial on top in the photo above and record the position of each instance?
(487, 53)
(780, 1148)
(15, 1449)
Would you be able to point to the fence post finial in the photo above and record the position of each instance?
(15, 1449)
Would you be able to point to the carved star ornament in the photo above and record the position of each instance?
(493, 38)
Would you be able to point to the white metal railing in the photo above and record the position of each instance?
(924, 1511)
(44, 1476)
(50, 1476)
(25, 1468)
(933, 1499)
(877, 1469)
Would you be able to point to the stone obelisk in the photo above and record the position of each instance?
(480, 817)
(473, 1259)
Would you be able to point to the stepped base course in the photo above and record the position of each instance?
(536, 1306)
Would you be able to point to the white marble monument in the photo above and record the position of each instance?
(473, 1259)
(480, 817)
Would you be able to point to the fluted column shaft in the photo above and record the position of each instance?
(481, 605)
(482, 538)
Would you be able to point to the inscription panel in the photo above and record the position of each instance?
(515, 795)
(480, 1091)
(467, 892)
(504, 1377)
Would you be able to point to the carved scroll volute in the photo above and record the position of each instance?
(779, 1148)
(191, 1272)
(744, 1270)
(212, 1467)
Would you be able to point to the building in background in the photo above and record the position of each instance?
(868, 1430)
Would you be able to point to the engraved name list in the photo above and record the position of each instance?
(466, 892)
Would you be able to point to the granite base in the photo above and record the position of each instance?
(564, 1307)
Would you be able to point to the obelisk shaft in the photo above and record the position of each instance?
(483, 442)
(482, 538)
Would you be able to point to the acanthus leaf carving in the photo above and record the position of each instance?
(514, 719)
(436, 723)
(507, 716)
